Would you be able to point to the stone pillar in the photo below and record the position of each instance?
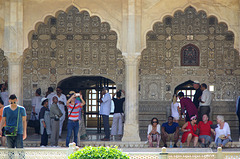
(131, 126)
(15, 79)
(13, 45)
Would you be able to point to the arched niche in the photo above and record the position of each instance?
(161, 59)
(73, 43)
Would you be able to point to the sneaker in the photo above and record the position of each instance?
(174, 145)
(42, 146)
(165, 145)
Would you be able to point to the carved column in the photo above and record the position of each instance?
(131, 126)
(13, 45)
(15, 79)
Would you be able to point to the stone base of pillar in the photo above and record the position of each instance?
(131, 133)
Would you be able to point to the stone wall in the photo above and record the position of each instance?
(72, 44)
(3, 67)
(164, 63)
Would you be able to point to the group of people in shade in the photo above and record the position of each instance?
(49, 111)
(197, 127)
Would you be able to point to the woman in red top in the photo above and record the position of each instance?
(189, 129)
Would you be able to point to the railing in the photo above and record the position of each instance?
(62, 153)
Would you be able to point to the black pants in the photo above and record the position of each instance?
(44, 138)
(106, 126)
(37, 127)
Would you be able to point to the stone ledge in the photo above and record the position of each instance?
(120, 144)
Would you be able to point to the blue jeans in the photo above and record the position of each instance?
(15, 141)
(72, 125)
(220, 142)
(207, 138)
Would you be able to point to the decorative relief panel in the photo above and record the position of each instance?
(216, 57)
(152, 87)
(72, 43)
(3, 67)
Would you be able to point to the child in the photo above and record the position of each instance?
(55, 114)
(44, 117)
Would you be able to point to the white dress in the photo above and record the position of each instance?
(174, 108)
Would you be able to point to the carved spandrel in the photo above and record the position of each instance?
(73, 43)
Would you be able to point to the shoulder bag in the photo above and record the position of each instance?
(12, 130)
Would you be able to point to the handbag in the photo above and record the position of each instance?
(12, 130)
(33, 122)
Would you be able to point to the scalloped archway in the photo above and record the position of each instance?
(71, 44)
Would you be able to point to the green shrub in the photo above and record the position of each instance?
(90, 152)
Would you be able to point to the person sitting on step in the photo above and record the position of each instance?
(190, 131)
(153, 133)
(170, 132)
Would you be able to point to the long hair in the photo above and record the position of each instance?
(174, 99)
(153, 119)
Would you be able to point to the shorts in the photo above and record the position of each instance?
(170, 137)
(176, 118)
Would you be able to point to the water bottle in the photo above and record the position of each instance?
(180, 144)
(170, 144)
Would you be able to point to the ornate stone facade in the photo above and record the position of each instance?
(3, 67)
(71, 44)
(161, 68)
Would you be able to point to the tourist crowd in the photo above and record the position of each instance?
(197, 127)
(49, 113)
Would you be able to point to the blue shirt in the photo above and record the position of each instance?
(170, 129)
(12, 115)
(105, 105)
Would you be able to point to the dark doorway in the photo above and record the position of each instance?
(91, 87)
(186, 88)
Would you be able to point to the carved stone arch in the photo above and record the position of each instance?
(3, 67)
(162, 55)
(73, 43)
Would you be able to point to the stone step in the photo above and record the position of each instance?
(120, 144)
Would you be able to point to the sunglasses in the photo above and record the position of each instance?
(194, 119)
(154, 121)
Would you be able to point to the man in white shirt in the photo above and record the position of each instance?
(205, 102)
(62, 101)
(50, 96)
(105, 111)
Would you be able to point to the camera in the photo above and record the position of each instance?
(77, 94)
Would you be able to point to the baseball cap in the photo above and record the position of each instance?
(196, 82)
(43, 100)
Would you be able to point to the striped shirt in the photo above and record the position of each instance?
(75, 113)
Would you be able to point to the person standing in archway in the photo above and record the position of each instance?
(117, 124)
(62, 101)
(206, 98)
(197, 96)
(198, 93)
(105, 111)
